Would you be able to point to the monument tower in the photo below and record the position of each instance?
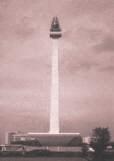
(55, 34)
(54, 137)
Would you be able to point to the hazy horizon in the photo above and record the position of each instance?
(86, 65)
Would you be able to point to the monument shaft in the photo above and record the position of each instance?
(54, 109)
(55, 34)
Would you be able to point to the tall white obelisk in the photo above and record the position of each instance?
(55, 34)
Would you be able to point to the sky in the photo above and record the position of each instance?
(86, 65)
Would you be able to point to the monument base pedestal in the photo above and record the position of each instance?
(47, 139)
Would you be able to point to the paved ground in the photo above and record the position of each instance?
(43, 159)
(47, 159)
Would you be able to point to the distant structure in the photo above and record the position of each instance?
(54, 137)
(87, 140)
(9, 137)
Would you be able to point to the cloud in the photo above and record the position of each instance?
(107, 45)
(74, 64)
(88, 65)
(108, 68)
(25, 28)
(84, 65)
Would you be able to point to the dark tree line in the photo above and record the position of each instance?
(99, 140)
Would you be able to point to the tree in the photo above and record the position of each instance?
(100, 138)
